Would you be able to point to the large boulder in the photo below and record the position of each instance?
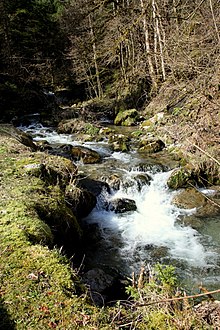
(127, 118)
(96, 187)
(86, 155)
(71, 126)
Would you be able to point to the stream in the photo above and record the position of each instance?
(155, 232)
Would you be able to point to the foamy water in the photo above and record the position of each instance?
(153, 224)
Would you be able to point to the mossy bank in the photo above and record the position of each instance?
(38, 286)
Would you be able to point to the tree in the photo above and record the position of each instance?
(32, 37)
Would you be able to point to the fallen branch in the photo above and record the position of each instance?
(179, 298)
(205, 153)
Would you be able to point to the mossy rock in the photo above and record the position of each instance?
(127, 118)
(151, 145)
(119, 142)
(51, 169)
(179, 178)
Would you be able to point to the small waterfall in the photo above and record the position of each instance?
(152, 226)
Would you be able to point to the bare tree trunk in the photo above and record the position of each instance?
(158, 34)
(99, 87)
(147, 47)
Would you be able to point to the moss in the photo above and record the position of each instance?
(126, 118)
(179, 178)
(37, 284)
(91, 129)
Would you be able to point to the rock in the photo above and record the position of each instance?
(122, 205)
(151, 145)
(86, 155)
(189, 198)
(179, 178)
(81, 201)
(142, 180)
(71, 126)
(53, 170)
(18, 135)
(44, 145)
(152, 167)
(193, 221)
(94, 186)
(119, 142)
(114, 181)
(98, 282)
(127, 118)
(146, 124)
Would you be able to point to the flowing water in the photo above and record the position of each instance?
(152, 233)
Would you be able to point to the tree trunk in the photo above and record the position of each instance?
(99, 87)
(147, 48)
(158, 37)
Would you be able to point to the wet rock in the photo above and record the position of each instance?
(86, 155)
(151, 145)
(127, 118)
(152, 167)
(122, 205)
(114, 181)
(142, 180)
(193, 221)
(43, 145)
(159, 252)
(98, 282)
(189, 198)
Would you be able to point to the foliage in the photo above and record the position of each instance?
(91, 129)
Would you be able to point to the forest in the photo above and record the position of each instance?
(122, 49)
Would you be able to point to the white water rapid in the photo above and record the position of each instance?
(153, 225)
